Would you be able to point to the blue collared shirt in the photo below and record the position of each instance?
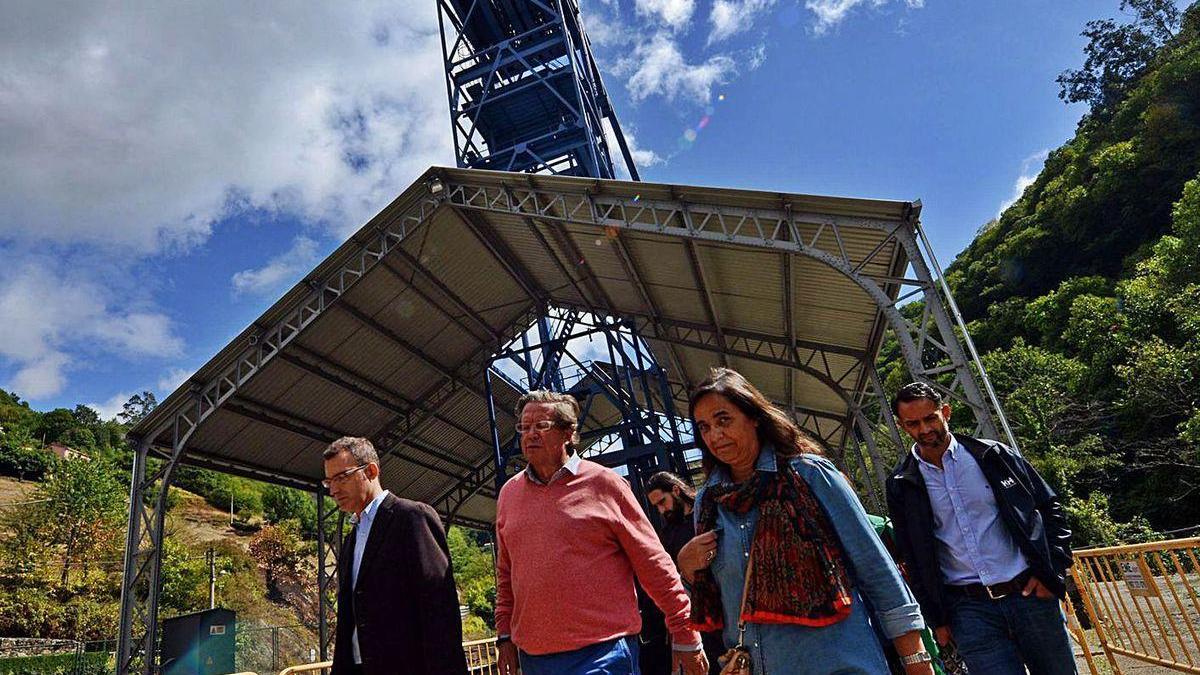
(362, 531)
(837, 648)
(976, 547)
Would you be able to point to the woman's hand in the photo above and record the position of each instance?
(697, 554)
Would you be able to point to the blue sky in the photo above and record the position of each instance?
(167, 171)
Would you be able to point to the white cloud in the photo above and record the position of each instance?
(130, 129)
(49, 315)
(171, 380)
(1031, 166)
(657, 67)
(674, 13)
(41, 377)
(830, 13)
(131, 124)
(606, 29)
(644, 157)
(283, 269)
(114, 405)
(758, 56)
(730, 17)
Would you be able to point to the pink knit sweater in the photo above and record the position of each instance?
(568, 553)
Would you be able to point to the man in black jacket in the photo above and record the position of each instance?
(397, 608)
(985, 542)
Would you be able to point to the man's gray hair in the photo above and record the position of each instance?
(565, 407)
(360, 448)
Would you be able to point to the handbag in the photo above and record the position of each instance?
(736, 660)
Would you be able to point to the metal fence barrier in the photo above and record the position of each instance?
(1142, 600)
(307, 668)
(481, 660)
(481, 657)
(267, 649)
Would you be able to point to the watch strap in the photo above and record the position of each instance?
(913, 659)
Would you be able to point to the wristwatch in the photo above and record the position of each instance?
(913, 659)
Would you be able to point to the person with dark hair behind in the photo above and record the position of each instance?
(785, 556)
(673, 498)
(985, 541)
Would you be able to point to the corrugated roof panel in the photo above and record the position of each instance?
(400, 311)
(373, 355)
(467, 269)
(680, 303)
(333, 407)
(531, 255)
(276, 378)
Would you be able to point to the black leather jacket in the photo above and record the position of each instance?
(1028, 506)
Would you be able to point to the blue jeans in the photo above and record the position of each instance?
(613, 657)
(1002, 637)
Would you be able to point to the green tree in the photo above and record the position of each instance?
(83, 511)
(1117, 55)
(15, 414)
(184, 577)
(284, 503)
(473, 573)
(54, 424)
(137, 407)
(79, 438)
(86, 416)
(21, 456)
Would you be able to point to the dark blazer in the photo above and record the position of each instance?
(1029, 508)
(404, 605)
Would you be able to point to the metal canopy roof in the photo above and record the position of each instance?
(390, 336)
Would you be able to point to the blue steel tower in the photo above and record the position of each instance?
(526, 96)
(525, 92)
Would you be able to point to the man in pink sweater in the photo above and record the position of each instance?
(571, 539)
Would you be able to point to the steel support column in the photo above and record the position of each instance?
(330, 523)
(137, 642)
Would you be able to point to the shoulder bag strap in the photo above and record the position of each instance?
(745, 592)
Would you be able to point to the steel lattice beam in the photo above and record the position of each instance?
(776, 229)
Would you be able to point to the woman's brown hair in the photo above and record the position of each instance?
(775, 427)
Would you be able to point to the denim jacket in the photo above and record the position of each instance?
(843, 647)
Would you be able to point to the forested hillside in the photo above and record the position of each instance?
(62, 536)
(1085, 293)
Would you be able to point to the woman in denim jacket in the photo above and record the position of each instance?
(771, 500)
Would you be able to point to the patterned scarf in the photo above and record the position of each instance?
(799, 576)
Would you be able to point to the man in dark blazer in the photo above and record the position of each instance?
(397, 608)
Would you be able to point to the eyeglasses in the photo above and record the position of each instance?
(541, 427)
(328, 482)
